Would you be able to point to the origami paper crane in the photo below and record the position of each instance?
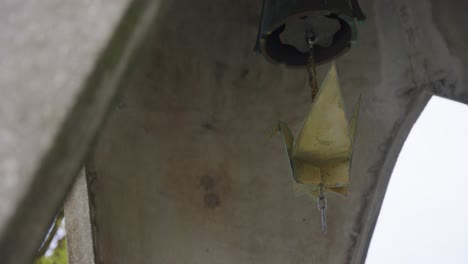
(320, 155)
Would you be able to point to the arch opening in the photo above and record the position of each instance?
(424, 214)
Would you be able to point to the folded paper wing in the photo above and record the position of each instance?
(320, 156)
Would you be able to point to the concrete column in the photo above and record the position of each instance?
(61, 63)
(78, 224)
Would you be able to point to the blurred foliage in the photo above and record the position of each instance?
(53, 249)
(59, 255)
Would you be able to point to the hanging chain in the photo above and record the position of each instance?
(321, 201)
(311, 40)
(322, 206)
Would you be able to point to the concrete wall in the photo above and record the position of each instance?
(185, 170)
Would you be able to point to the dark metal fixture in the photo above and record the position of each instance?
(286, 25)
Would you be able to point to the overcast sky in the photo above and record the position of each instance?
(424, 217)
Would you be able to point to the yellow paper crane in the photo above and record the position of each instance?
(321, 154)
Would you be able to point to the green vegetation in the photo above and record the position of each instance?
(59, 255)
(54, 247)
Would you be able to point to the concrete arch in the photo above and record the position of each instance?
(207, 102)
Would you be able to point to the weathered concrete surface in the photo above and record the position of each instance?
(78, 224)
(185, 171)
(58, 75)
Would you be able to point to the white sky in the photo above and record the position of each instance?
(61, 232)
(424, 217)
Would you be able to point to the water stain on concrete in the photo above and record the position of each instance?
(207, 182)
(211, 200)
